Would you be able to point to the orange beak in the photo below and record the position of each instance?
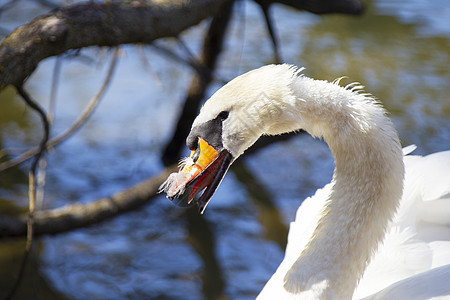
(202, 170)
(206, 156)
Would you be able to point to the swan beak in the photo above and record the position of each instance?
(203, 170)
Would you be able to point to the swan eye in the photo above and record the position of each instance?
(223, 115)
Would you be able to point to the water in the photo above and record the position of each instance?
(400, 52)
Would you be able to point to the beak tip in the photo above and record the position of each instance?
(206, 171)
(201, 209)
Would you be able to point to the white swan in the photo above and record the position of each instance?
(357, 236)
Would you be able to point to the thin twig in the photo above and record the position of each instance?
(169, 53)
(92, 104)
(31, 185)
(212, 46)
(185, 47)
(74, 127)
(41, 174)
(200, 68)
(146, 65)
(54, 89)
(242, 32)
(40, 183)
(272, 33)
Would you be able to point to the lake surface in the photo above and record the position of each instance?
(399, 51)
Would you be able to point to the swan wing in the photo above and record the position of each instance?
(419, 237)
(431, 284)
(435, 172)
(426, 195)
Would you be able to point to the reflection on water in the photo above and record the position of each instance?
(399, 51)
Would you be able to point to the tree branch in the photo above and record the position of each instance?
(31, 187)
(270, 28)
(95, 24)
(112, 24)
(212, 46)
(74, 127)
(77, 215)
(349, 7)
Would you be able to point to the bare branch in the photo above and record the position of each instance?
(349, 7)
(148, 68)
(272, 32)
(75, 126)
(31, 186)
(95, 24)
(199, 68)
(77, 215)
(212, 46)
(112, 24)
(54, 88)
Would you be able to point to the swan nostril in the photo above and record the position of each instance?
(196, 154)
(192, 142)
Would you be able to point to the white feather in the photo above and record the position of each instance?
(365, 232)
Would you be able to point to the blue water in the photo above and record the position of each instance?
(399, 51)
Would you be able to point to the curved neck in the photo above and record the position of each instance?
(367, 186)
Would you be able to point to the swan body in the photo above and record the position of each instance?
(352, 233)
(413, 261)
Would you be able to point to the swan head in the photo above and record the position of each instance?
(232, 120)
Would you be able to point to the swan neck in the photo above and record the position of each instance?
(367, 186)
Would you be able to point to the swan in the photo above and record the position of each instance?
(370, 233)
